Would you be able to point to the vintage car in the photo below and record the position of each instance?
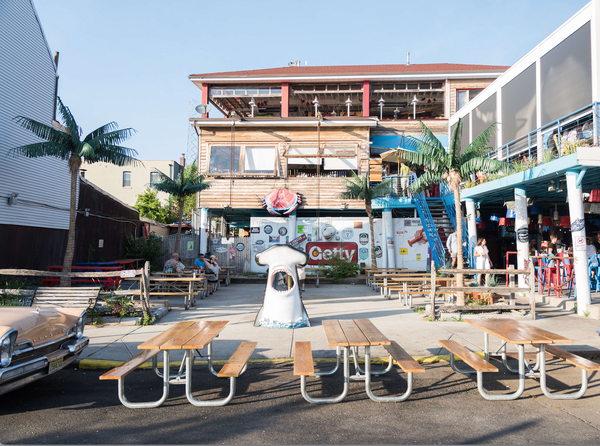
(38, 341)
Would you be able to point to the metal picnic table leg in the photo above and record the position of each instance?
(337, 364)
(188, 386)
(333, 399)
(568, 396)
(360, 371)
(512, 396)
(384, 399)
(150, 404)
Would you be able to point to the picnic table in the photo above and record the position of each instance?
(189, 287)
(127, 263)
(372, 271)
(189, 336)
(520, 335)
(227, 269)
(107, 281)
(317, 269)
(349, 335)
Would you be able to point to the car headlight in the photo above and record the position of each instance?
(7, 344)
(80, 326)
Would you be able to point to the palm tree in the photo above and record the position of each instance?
(358, 188)
(102, 145)
(189, 182)
(451, 166)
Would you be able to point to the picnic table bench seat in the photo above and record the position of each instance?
(72, 297)
(470, 358)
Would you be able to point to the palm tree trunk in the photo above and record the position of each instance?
(178, 239)
(460, 296)
(74, 164)
(369, 210)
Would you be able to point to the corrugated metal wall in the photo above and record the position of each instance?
(27, 79)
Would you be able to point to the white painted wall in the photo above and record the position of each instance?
(27, 79)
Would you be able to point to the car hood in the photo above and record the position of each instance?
(38, 325)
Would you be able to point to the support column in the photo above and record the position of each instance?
(389, 238)
(203, 230)
(471, 222)
(366, 98)
(582, 279)
(285, 99)
(292, 227)
(522, 231)
(205, 96)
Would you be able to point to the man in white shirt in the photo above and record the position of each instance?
(452, 245)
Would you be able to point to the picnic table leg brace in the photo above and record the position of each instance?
(149, 404)
(334, 399)
(568, 396)
(176, 378)
(511, 396)
(373, 372)
(188, 386)
(337, 364)
(384, 399)
(530, 370)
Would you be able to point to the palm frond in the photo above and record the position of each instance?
(481, 144)
(116, 137)
(187, 182)
(428, 178)
(431, 160)
(43, 131)
(454, 146)
(39, 149)
(69, 121)
(101, 131)
(486, 165)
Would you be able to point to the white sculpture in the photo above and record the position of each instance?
(282, 306)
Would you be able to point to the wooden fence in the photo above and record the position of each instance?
(188, 248)
(236, 252)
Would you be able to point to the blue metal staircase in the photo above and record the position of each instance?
(448, 200)
(438, 252)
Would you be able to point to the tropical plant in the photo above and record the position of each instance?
(358, 188)
(451, 166)
(340, 268)
(102, 145)
(188, 183)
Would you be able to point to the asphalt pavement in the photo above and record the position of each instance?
(74, 407)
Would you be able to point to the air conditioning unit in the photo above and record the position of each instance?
(294, 63)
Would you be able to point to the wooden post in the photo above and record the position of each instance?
(532, 290)
(433, 284)
(145, 288)
(511, 283)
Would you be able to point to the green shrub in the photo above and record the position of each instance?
(150, 249)
(13, 283)
(340, 268)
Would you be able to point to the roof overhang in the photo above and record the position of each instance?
(283, 122)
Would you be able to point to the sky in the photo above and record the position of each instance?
(129, 61)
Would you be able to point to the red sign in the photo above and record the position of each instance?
(321, 252)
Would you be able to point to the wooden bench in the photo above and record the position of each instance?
(303, 359)
(470, 358)
(237, 363)
(73, 297)
(584, 364)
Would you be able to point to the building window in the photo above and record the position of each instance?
(224, 160)
(259, 160)
(126, 179)
(465, 96)
(154, 178)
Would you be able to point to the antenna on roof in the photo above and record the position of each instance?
(407, 58)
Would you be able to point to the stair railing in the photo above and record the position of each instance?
(433, 237)
(448, 200)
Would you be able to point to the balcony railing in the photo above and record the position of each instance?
(557, 139)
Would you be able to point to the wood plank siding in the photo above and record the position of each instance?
(246, 191)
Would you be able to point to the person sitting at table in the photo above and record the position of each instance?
(174, 264)
(590, 251)
(200, 262)
(211, 264)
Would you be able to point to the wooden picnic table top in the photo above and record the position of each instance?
(227, 267)
(516, 332)
(385, 269)
(176, 279)
(86, 268)
(186, 335)
(422, 277)
(353, 332)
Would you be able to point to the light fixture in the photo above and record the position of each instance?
(348, 105)
(414, 103)
(252, 105)
(396, 111)
(86, 212)
(556, 216)
(381, 102)
(551, 187)
(12, 199)
(316, 102)
(561, 185)
(565, 222)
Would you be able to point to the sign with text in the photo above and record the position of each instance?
(298, 240)
(321, 252)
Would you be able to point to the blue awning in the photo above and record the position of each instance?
(381, 143)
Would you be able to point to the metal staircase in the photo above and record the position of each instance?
(436, 224)
(447, 198)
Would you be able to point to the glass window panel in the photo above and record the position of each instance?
(252, 90)
(264, 91)
(412, 86)
(302, 150)
(126, 179)
(216, 91)
(484, 116)
(240, 91)
(154, 178)
(221, 158)
(437, 85)
(425, 86)
(275, 90)
(259, 160)
(340, 164)
(519, 109)
(228, 92)
(462, 97)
